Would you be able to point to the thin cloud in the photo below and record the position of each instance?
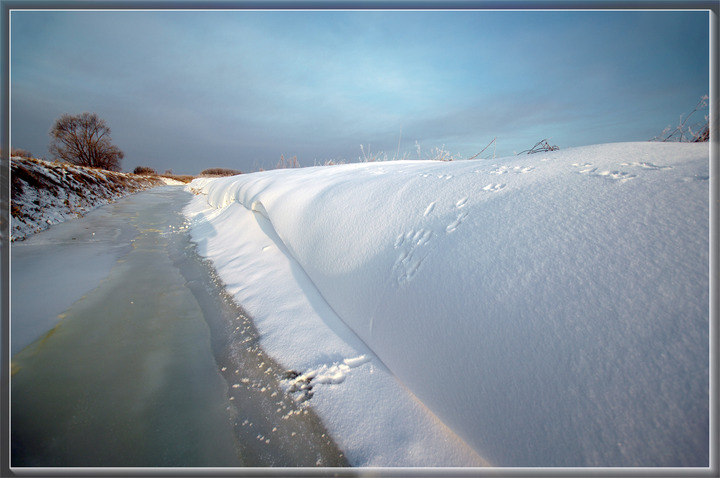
(191, 89)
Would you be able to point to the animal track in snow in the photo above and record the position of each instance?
(429, 209)
(412, 253)
(458, 220)
(617, 175)
(621, 176)
(412, 246)
(516, 170)
(494, 187)
(644, 165)
(413, 238)
(697, 177)
(439, 176)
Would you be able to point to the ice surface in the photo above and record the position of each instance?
(56, 267)
(549, 309)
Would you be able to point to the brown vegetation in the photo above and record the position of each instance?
(145, 171)
(287, 163)
(184, 178)
(43, 192)
(220, 172)
(84, 140)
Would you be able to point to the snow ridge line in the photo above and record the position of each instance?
(258, 208)
(328, 374)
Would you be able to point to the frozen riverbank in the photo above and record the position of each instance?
(44, 193)
(547, 309)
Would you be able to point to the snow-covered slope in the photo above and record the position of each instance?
(45, 193)
(550, 309)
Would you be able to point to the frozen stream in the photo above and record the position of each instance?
(127, 352)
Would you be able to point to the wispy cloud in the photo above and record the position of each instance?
(235, 88)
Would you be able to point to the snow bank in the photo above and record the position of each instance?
(171, 181)
(45, 193)
(549, 309)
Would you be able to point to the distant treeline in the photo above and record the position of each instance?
(147, 171)
(219, 172)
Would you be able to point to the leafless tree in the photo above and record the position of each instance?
(85, 140)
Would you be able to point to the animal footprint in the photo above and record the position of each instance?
(587, 168)
(494, 187)
(515, 169)
(458, 220)
(645, 165)
(411, 245)
(621, 176)
(413, 238)
(429, 209)
(697, 177)
(461, 202)
(617, 175)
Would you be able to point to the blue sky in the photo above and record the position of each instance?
(188, 90)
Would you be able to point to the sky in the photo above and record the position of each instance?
(190, 90)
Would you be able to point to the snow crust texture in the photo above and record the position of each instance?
(46, 193)
(548, 309)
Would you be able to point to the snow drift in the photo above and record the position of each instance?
(550, 309)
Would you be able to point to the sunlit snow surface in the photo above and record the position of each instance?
(549, 309)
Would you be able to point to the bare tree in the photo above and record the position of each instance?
(85, 140)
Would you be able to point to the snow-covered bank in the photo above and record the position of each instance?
(549, 309)
(46, 193)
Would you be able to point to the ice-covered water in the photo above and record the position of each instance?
(141, 370)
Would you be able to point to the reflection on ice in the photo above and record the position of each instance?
(140, 371)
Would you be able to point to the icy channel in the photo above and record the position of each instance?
(152, 365)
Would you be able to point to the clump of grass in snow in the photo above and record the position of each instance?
(540, 147)
(287, 163)
(434, 154)
(330, 162)
(684, 132)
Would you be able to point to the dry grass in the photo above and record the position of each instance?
(183, 178)
(39, 187)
